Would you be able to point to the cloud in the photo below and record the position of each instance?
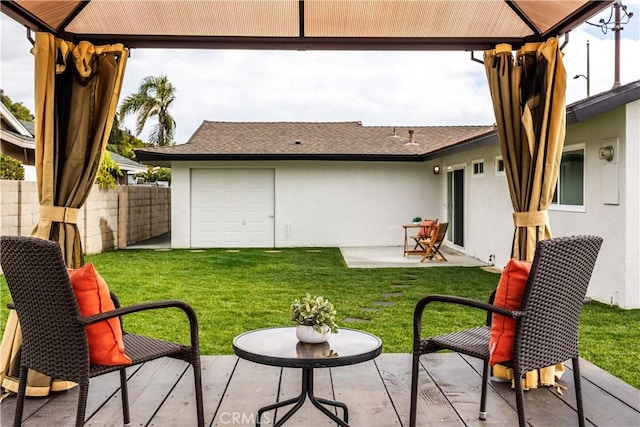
(377, 88)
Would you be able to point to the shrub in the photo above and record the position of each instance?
(11, 168)
(109, 171)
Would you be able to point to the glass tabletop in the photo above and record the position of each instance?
(280, 347)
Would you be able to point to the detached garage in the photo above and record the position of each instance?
(232, 208)
(247, 184)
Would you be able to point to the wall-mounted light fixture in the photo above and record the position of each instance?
(436, 170)
(606, 153)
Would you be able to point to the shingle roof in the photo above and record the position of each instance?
(310, 140)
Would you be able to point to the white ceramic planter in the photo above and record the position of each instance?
(311, 336)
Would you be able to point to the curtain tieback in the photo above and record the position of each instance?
(59, 214)
(530, 219)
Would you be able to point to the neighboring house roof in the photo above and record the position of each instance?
(126, 164)
(21, 134)
(315, 141)
(14, 131)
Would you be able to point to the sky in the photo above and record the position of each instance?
(376, 88)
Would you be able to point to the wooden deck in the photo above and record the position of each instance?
(376, 392)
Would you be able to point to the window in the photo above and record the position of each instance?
(500, 166)
(569, 194)
(478, 168)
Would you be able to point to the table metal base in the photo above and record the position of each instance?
(307, 390)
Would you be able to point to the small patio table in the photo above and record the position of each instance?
(408, 251)
(280, 347)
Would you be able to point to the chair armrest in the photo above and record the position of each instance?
(134, 308)
(422, 304)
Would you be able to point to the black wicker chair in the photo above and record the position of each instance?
(54, 338)
(546, 324)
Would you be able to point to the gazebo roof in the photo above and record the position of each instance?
(305, 24)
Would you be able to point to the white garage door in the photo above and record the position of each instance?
(232, 208)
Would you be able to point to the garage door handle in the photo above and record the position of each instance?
(272, 216)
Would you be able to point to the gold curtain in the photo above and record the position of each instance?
(76, 94)
(528, 94)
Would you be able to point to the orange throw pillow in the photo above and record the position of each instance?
(425, 228)
(105, 338)
(513, 282)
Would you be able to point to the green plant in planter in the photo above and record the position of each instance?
(314, 311)
(417, 219)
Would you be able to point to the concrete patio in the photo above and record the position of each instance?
(361, 257)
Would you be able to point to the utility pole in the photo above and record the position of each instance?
(617, 28)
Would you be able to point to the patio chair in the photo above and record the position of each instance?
(546, 331)
(425, 232)
(53, 329)
(432, 245)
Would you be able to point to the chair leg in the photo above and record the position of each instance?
(414, 390)
(517, 379)
(124, 393)
(483, 396)
(576, 380)
(83, 389)
(22, 390)
(197, 378)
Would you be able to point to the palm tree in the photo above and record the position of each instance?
(153, 98)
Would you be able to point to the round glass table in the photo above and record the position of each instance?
(280, 347)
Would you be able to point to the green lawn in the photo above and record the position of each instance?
(235, 291)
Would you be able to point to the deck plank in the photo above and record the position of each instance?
(62, 406)
(308, 415)
(395, 371)
(611, 409)
(432, 406)
(461, 386)
(148, 388)
(612, 385)
(216, 373)
(251, 387)
(362, 390)
(374, 391)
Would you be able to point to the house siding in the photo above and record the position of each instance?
(327, 203)
(489, 226)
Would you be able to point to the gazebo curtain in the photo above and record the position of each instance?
(528, 94)
(76, 94)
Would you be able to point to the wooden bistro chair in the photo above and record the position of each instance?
(54, 338)
(425, 232)
(432, 245)
(546, 325)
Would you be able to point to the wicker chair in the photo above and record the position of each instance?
(54, 338)
(546, 324)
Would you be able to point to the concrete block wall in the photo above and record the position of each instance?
(110, 219)
(149, 212)
(98, 221)
(18, 207)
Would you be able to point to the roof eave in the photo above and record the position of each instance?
(303, 43)
(601, 103)
(149, 156)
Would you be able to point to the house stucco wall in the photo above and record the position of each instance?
(488, 224)
(327, 203)
(488, 221)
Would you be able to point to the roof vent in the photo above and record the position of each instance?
(412, 140)
(297, 142)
